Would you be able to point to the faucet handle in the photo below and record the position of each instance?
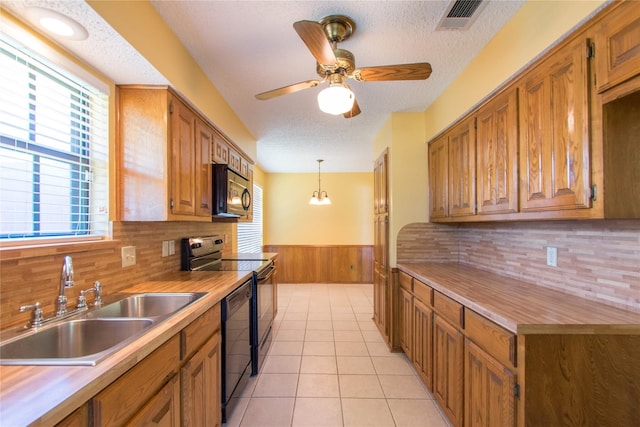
(37, 318)
(82, 299)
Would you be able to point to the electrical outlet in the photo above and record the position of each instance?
(172, 247)
(552, 256)
(128, 256)
(165, 248)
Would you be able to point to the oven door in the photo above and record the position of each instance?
(264, 309)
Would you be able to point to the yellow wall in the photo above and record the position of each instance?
(290, 220)
(535, 27)
(139, 23)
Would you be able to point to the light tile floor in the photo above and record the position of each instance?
(328, 366)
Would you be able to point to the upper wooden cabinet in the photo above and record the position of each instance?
(164, 152)
(556, 141)
(497, 155)
(220, 150)
(462, 169)
(439, 178)
(618, 46)
(554, 132)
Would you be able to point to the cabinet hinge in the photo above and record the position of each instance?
(516, 390)
(475, 123)
(171, 108)
(171, 203)
(594, 193)
(591, 51)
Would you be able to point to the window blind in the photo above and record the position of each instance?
(53, 150)
(250, 233)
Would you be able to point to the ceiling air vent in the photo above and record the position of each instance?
(460, 14)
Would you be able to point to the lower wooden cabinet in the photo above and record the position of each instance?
(162, 410)
(405, 309)
(201, 386)
(124, 398)
(78, 418)
(488, 390)
(447, 369)
(422, 355)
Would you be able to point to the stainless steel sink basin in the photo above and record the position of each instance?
(148, 305)
(72, 342)
(90, 336)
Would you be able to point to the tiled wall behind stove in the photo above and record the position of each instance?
(596, 259)
(28, 279)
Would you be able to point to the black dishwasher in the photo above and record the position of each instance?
(236, 345)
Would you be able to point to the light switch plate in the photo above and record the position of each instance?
(552, 256)
(172, 247)
(128, 256)
(165, 248)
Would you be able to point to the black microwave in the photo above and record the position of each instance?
(231, 192)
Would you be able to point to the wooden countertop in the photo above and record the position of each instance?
(44, 395)
(522, 307)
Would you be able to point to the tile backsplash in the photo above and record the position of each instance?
(598, 260)
(26, 280)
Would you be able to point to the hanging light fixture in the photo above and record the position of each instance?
(319, 197)
(337, 98)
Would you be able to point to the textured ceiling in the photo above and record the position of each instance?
(248, 47)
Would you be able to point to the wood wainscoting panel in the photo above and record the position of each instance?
(324, 264)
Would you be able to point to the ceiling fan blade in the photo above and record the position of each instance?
(288, 89)
(419, 71)
(355, 110)
(313, 35)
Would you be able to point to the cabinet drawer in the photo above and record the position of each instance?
(197, 332)
(494, 339)
(449, 309)
(406, 281)
(125, 396)
(423, 292)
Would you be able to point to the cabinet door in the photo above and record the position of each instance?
(201, 397)
(381, 298)
(163, 410)
(204, 141)
(489, 390)
(447, 370)
(235, 161)
(220, 150)
(617, 53)
(78, 418)
(183, 156)
(380, 183)
(423, 342)
(497, 155)
(462, 169)
(405, 327)
(554, 132)
(438, 178)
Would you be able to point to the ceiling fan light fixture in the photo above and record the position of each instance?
(336, 99)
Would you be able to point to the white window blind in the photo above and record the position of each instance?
(53, 150)
(250, 233)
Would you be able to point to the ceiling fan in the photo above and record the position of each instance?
(335, 65)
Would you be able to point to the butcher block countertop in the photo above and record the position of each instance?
(44, 395)
(522, 307)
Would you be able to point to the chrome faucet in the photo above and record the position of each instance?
(66, 281)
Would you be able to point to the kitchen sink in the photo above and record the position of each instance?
(148, 305)
(72, 342)
(90, 336)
